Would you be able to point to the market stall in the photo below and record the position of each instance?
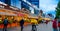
(9, 14)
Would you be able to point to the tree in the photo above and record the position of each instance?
(58, 10)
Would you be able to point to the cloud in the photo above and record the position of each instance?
(48, 5)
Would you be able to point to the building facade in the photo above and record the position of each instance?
(35, 2)
(21, 4)
(15, 3)
(24, 5)
(36, 12)
(6, 1)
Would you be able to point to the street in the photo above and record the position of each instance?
(40, 27)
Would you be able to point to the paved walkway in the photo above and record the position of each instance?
(40, 27)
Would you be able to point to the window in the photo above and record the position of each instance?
(2, 0)
(16, 3)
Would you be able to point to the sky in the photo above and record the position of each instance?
(48, 6)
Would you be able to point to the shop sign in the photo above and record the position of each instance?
(20, 14)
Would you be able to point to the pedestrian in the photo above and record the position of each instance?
(55, 25)
(34, 23)
(5, 22)
(59, 24)
(46, 21)
(21, 24)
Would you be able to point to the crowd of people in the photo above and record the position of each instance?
(21, 22)
(34, 23)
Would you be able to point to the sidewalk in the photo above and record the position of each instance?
(26, 28)
(40, 27)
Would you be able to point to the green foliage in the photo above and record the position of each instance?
(58, 10)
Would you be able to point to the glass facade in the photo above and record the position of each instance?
(36, 12)
(2, 0)
(16, 3)
(32, 10)
(24, 5)
(35, 2)
(21, 4)
(8, 2)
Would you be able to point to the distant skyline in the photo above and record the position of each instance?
(48, 6)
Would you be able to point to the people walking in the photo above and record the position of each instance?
(21, 24)
(46, 21)
(34, 23)
(59, 24)
(5, 22)
(55, 25)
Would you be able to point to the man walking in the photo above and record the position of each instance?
(21, 24)
(5, 22)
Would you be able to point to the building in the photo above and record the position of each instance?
(15, 3)
(34, 2)
(31, 10)
(24, 5)
(6, 1)
(36, 12)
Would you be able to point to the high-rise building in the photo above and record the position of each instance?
(31, 10)
(24, 5)
(36, 12)
(2, 0)
(8, 2)
(16, 3)
(35, 2)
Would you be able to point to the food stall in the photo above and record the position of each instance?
(25, 16)
(6, 13)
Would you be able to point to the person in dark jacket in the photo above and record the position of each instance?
(55, 25)
(5, 22)
(59, 24)
(21, 24)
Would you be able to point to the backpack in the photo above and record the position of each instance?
(5, 21)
